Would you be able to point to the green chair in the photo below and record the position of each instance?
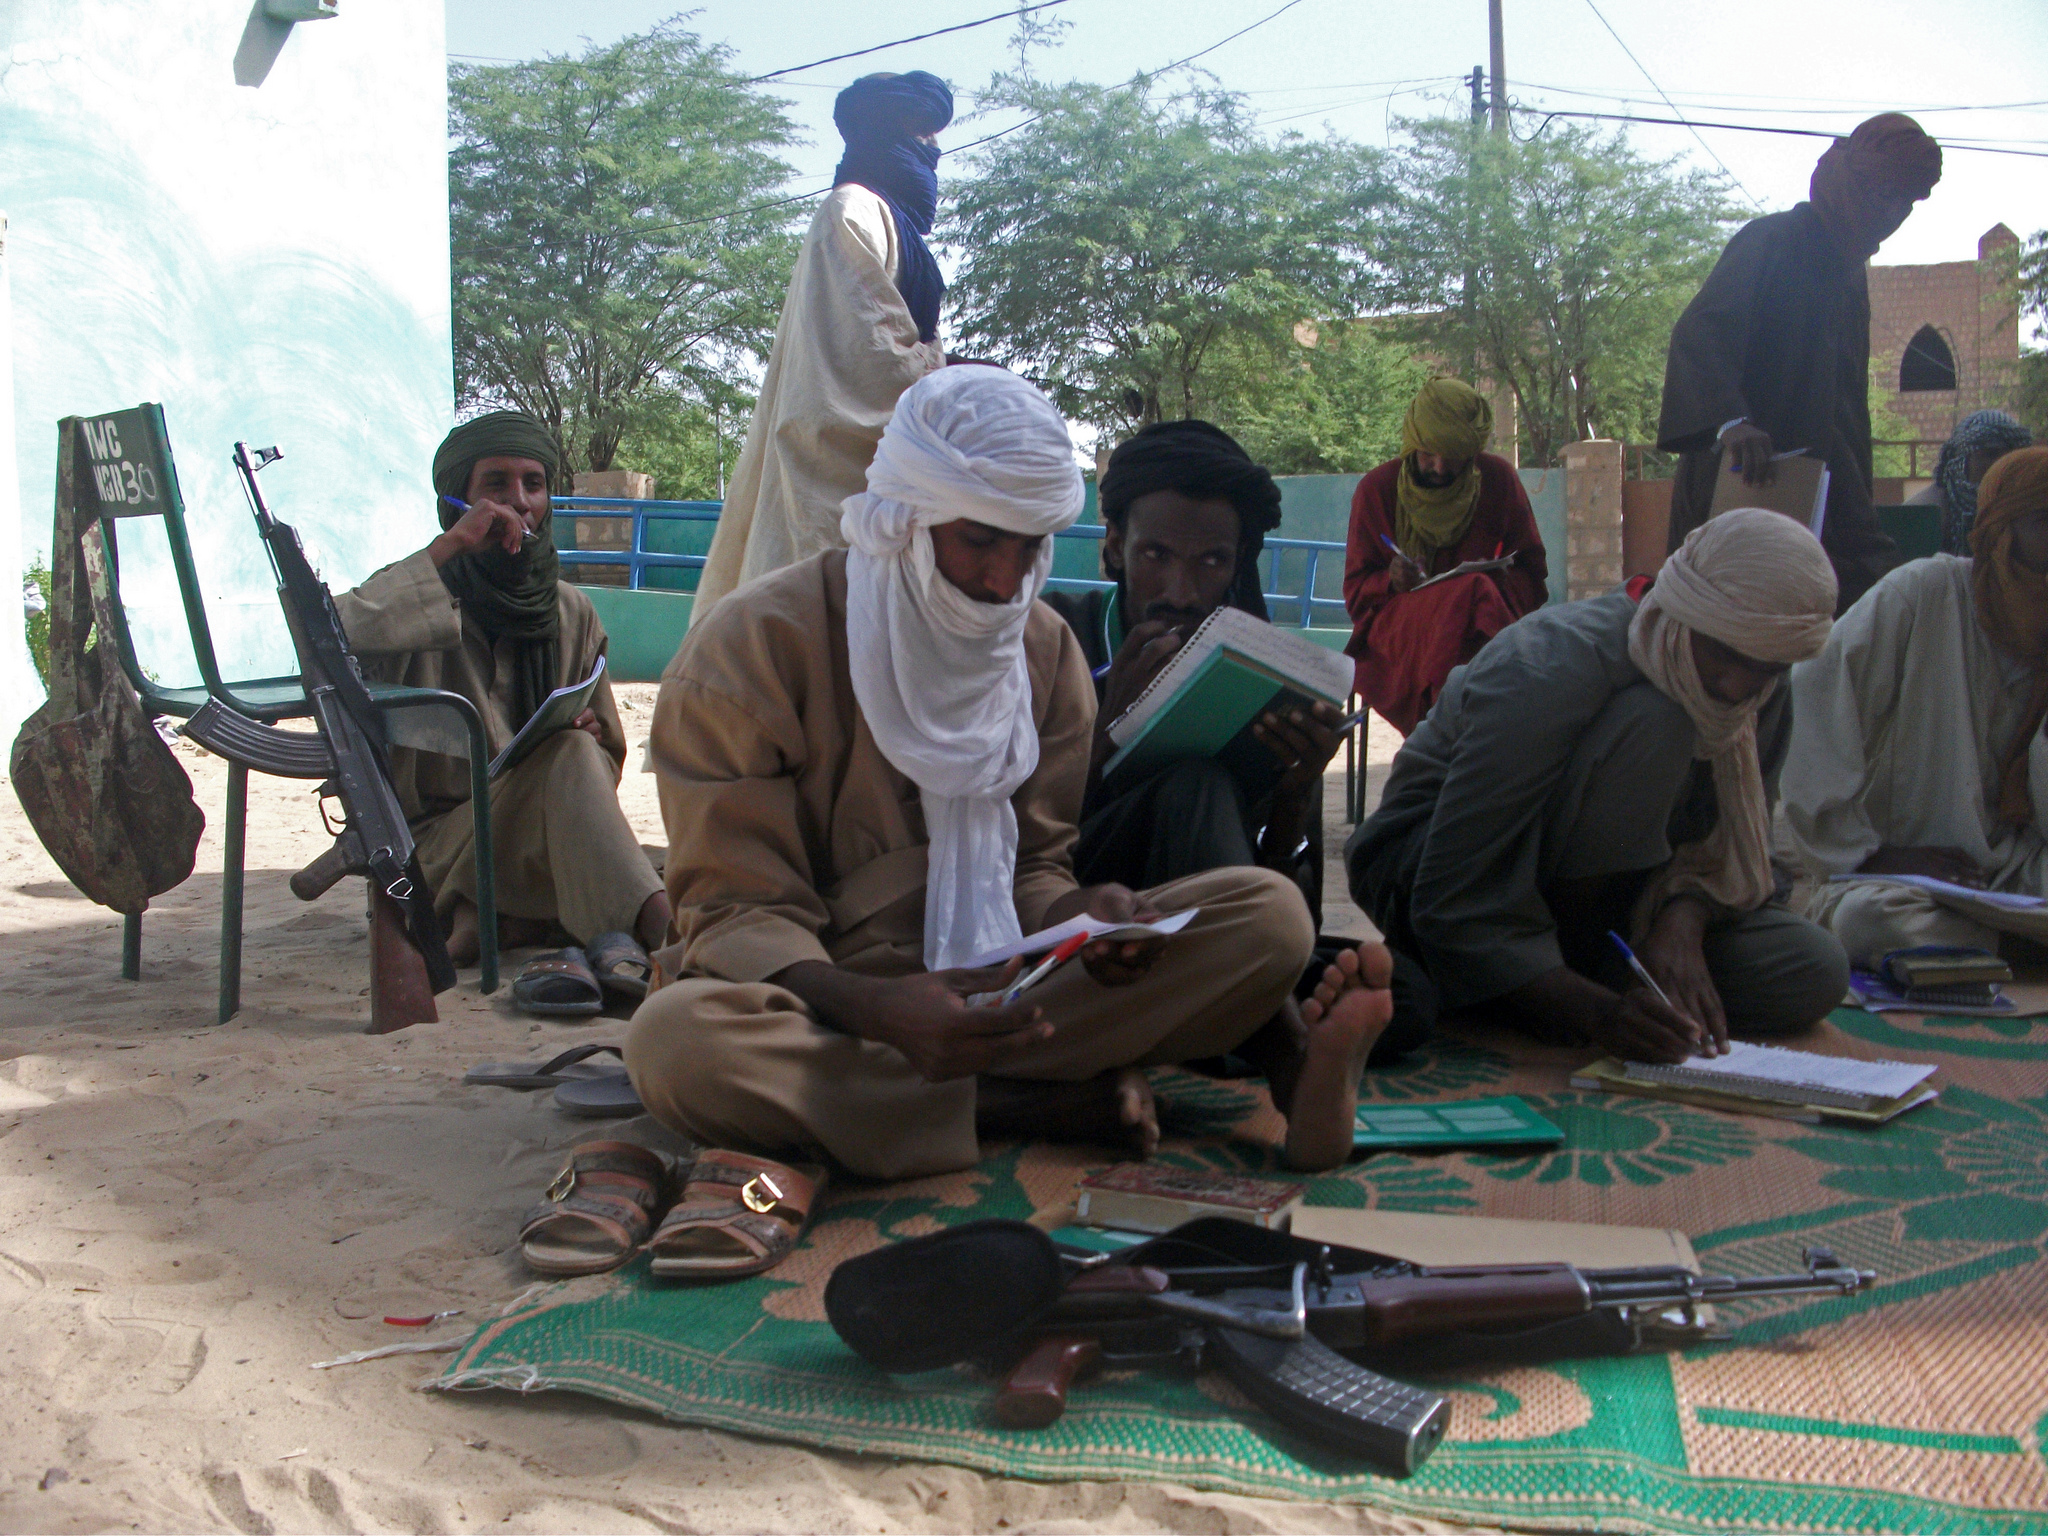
(121, 470)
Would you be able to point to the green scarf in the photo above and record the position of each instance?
(1451, 418)
(511, 597)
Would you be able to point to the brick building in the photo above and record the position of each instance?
(1945, 337)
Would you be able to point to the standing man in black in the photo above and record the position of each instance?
(1773, 355)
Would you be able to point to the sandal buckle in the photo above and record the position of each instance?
(752, 1198)
(564, 1184)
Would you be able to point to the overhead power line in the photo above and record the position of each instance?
(1803, 133)
(1669, 102)
(797, 69)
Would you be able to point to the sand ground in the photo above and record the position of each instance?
(195, 1213)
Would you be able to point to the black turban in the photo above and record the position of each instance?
(1204, 462)
(508, 596)
(893, 106)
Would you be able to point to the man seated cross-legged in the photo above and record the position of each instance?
(1601, 767)
(1185, 513)
(871, 765)
(481, 612)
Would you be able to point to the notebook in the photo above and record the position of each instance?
(1790, 1077)
(1611, 1076)
(1798, 488)
(1505, 1121)
(1095, 927)
(1203, 702)
(557, 711)
(1466, 568)
(1879, 994)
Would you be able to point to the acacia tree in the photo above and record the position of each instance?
(1558, 265)
(1127, 247)
(601, 272)
(2030, 285)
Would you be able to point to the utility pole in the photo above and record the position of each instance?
(1477, 80)
(1500, 67)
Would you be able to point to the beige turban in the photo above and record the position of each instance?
(1759, 583)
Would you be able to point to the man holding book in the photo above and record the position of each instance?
(1917, 748)
(871, 771)
(1417, 524)
(481, 612)
(1773, 354)
(1600, 769)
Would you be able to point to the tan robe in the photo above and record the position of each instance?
(791, 838)
(563, 849)
(845, 349)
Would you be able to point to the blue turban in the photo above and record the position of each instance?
(880, 117)
(1979, 429)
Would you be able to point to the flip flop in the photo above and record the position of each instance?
(737, 1215)
(597, 1211)
(620, 964)
(573, 1065)
(607, 1096)
(556, 984)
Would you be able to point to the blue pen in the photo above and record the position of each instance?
(1643, 975)
(526, 535)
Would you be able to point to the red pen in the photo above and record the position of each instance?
(1044, 968)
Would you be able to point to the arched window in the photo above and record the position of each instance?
(1928, 363)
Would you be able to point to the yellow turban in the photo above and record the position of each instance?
(1451, 418)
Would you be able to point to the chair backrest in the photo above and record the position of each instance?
(123, 469)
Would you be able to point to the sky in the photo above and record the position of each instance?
(1352, 69)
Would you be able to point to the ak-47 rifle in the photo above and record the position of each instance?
(409, 956)
(1271, 1312)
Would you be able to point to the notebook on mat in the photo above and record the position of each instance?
(1791, 1077)
(1501, 1122)
(1203, 702)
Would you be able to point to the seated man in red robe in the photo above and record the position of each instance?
(1442, 503)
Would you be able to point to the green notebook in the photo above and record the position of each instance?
(1505, 1121)
(1203, 703)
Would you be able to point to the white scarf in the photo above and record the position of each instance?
(940, 678)
(1758, 582)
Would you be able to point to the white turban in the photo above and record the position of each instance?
(940, 677)
(1758, 582)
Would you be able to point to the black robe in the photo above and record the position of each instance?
(1780, 334)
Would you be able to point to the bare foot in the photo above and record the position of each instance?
(1350, 1010)
(1111, 1109)
(465, 947)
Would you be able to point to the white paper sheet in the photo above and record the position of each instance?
(1094, 927)
(2010, 901)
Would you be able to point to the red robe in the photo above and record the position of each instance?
(1405, 643)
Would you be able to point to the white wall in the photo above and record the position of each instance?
(20, 689)
(270, 262)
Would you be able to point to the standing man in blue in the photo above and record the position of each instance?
(860, 326)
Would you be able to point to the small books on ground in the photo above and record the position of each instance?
(1505, 1121)
(1944, 965)
(1155, 1197)
(1970, 1000)
(557, 712)
(1202, 704)
(1798, 488)
(1467, 568)
(1611, 1076)
(1094, 927)
(1791, 1077)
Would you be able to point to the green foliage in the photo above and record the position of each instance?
(1887, 425)
(1332, 406)
(1559, 265)
(1136, 252)
(595, 278)
(2030, 391)
(38, 624)
(684, 445)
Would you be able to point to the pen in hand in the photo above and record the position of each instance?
(1704, 1040)
(526, 535)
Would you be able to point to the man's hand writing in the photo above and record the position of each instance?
(1403, 574)
(1673, 952)
(927, 1018)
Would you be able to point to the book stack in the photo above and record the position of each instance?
(1766, 1080)
(1938, 975)
(1156, 1197)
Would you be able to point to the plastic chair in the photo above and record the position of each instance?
(133, 448)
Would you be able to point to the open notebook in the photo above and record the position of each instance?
(1791, 1077)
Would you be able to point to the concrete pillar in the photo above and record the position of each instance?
(614, 533)
(20, 690)
(1592, 517)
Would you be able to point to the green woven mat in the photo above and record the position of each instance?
(1921, 1404)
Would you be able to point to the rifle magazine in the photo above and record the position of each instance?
(1315, 1391)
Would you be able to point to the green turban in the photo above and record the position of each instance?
(1451, 418)
(510, 597)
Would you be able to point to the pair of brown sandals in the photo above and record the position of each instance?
(722, 1215)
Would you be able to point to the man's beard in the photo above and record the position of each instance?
(1435, 480)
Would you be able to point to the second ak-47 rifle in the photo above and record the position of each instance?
(349, 753)
(1270, 1311)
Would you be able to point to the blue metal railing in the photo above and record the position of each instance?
(637, 558)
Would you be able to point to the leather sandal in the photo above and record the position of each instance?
(597, 1212)
(620, 964)
(558, 984)
(737, 1215)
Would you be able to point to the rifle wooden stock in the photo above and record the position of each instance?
(1035, 1392)
(400, 991)
(315, 880)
